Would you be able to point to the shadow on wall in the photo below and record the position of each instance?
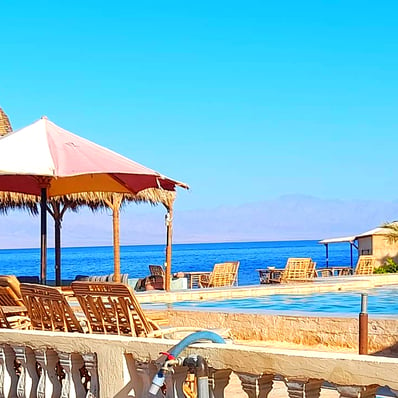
(391, 351)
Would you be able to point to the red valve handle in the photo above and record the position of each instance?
(168, 355)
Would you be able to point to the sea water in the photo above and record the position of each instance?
(186, 257)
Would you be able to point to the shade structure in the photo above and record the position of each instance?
(5, 125)
(44, 154)
(46, 160)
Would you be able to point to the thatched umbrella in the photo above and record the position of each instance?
(57, 206)
(12, 200)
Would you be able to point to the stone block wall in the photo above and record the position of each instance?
(326, 332)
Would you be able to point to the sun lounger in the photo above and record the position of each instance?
(296, 270)
(156, 279)
(48, 309)
(9, 298)
(365, 265)
(223, 274)
(157, 270)
(10, 291)
(112, 308)
(4, 324)
(13, 321)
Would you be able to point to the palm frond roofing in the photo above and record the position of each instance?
(5, 125)
(94, 200)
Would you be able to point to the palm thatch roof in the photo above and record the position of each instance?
(12, 200)
(94, 200)
(5, 125)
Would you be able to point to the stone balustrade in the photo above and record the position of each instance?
(68, 365)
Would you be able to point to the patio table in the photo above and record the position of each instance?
(194, 277)
(267, 275)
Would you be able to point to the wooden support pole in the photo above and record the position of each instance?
(169, 237)
(114, 205)
(43, 236)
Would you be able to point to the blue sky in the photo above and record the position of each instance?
(244, 101)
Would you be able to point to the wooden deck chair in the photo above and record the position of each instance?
(4, 324)
(10, 291)
(8, 297)
(297, 269)
(156, 279)
(112, 308)
(14, 321)
(223, 274)
(365, 265)
(48, 309)
(157, 270)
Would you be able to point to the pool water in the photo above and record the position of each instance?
(381, 301)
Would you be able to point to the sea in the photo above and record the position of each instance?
(185, 257)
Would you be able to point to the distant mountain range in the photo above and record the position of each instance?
(290, 217)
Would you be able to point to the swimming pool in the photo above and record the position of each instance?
(381, 301)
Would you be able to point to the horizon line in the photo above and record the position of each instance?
(163, 244)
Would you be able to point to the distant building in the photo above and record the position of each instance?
(375, 242)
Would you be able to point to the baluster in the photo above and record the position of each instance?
(8, 376)
(249, 383)
(256, 386)
(90, 362)
(146, 372)
(357, 391)
(49, 384)
(308, 388)
(28, 379)
(72, 386)
(265, 384)
(218, 380)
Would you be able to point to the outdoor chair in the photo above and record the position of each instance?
(10, 291)
(4, 324)
(223, 274)
(9, 298)
(365, 265)
(157, 270)
(156, 279)
(112, 308)
(48, 309)
(296, 270)
(14, 321)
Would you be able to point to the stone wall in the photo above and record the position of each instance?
(324, 332)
